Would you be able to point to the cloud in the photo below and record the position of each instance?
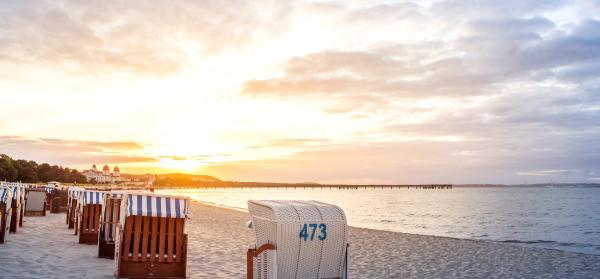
(73, 152)
(545, 173)
(467, 9)
(478, 88)
(147, 38)
(291, 143)
(506, 91)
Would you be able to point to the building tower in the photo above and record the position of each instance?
(106, 170)
(94, 168)
(116, 172)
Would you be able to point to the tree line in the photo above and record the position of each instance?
(32, 172)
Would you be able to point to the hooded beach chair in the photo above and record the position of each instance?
(72, 196)
(150, 237)
(17, 206)
(109, 219)
(58, 201)
(297, 240)
(49, 190)
(22, 198)
(87, 222)
(35, 202)
(5, 211)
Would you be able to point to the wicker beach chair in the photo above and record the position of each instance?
(109, 219)
(297, 240)
(73, 194)
(49, 191)
(5, 211)
(58, 201)
(17, 207)
(35, 202)
(87, 222)
(151, 241)
(22, 198)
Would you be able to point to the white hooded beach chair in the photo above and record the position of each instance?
(5, 211)
(150, 237)
(297, 240)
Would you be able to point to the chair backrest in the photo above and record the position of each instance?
(35, 200)
(89, 220)
(310, 236)
(151, 228)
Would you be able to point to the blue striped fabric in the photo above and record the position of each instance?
(92, 197)
(74, 192)
(5, 195)
(157, 206)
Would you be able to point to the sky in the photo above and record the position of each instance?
(306, 91)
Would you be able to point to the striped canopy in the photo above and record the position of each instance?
(5, 195)
(74, 192)
(147, 204)
(91, 197)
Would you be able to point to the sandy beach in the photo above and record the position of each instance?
(218, 239)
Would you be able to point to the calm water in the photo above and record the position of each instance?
(561, 218)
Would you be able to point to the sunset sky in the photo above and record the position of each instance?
(294, 91)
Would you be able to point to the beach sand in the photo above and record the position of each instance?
(218, 240)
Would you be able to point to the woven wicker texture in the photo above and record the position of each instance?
(319, 254)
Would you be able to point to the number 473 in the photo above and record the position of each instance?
(322, 235)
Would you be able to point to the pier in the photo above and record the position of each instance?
(259, 185)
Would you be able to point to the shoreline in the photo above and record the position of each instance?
(506, 242)
(386, 254)
(218, 240)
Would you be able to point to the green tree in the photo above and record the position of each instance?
(27, 171)
(8, 171)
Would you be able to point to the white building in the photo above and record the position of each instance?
(104, 176)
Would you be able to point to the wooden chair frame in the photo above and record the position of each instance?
(253, 253)
(151, 247)
(90, 224)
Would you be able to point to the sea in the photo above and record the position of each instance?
(553, 217)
